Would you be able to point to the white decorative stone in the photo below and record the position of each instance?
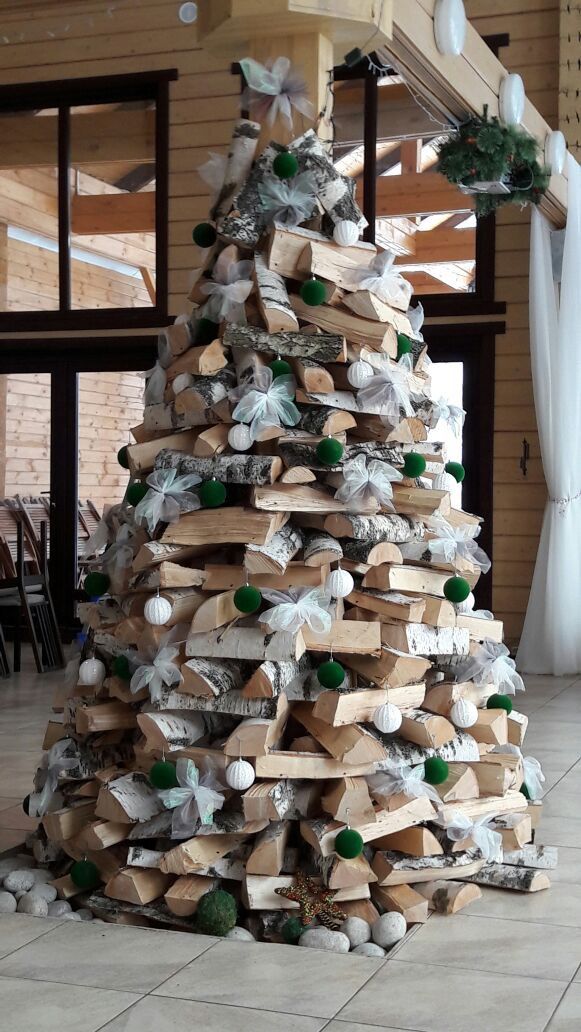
(359, 373)
(46, 892)
(443, 482)
(7, 903)
(369, 949)
(32, 904)
(240, 934)
(240, 775)
(388, 929)
(239, 437)
(511, 100)
(157, 611)
(387, 718)
(464, 713)
(42, 876)
(188, 13)
(92, 671)
(450, 27)
(85, 914)
(467, 605)
(182, 382)
(72, 916)
(357, 931)
(346, 233)
(19, 881)
(59, 908)
(339, 583)
(321, 938)
(555, 151)
(20, 862)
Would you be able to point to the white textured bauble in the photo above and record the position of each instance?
(467, 605)
(464, 713)
(387, 718)
(188, 13)
(339, 583)
(450, 27)
(240, 775)
(239, 437)
(511, 101)
(92, 671)
(555, 151)
(182, 382)
(157, 611)
(443, 482)
(359, 373)
(346, 233)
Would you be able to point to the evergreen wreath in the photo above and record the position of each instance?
(484, 150)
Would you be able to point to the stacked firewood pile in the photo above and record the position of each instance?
(288, 714)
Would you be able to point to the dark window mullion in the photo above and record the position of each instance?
(64, 207)
(370, 155)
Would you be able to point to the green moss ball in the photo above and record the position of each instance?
(456, 589)
(205, 331)
(500, 702)
(247, 599)
(121, 668)
(313, 292)
(524, 790)
(285, 165)
(204, 234)
(163, 775)
(280, 368)
(436, 770)
(404, 345)
(348, 844)
(96, 584)
(136, 492)
(293, 929)
(212, 494)
(456, 470)
(216, 913)
(329, 451)
(414, 465)
(84, 874)
(331, 674)
(123, 457)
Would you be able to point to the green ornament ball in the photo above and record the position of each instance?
(524, 790)
(293, 929)
(85, 874)
(313, 292)
(285, 165)
(123, 457)
(216, 913)
(348, 844)
(436, 770)
(204, 234)
(247, 599)
(456, 589)
(456, 470)
(280, 368)
(329, 451)
(404, 345)
(331, 674)
(414, 465)
(136, 492)
(500, 702)
(212, 494)
(120, 667)
(163, 775)
(96, 584)
(205, 331)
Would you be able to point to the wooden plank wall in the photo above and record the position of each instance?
(570, 76)
(518, 502)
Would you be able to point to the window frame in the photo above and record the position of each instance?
(97, 90)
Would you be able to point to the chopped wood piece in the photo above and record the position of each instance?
(321, 833)
(212, 441)
(394, 869)
(137, 885)
(515, 829)
(258, 893)
(417, 841)
(274, 555)
(373, 335)
(289, 253)
(271, 679)
(402, 898)
(373, 529)
(345, 637)
(540, 857)
(448, 897)
(320, 549)
(512, 802)
(230, 469)
(337, 708)
(391, 605)
(241, 153)
(235, 525)
(199, 853)
(183, 896)
(267, 856)
(504, 876)
(460, 784)
(369, 306)
(349, 744)
(491, 727)
(348, 801)
(392, 669)
(423, 640)
(204, 677)
(273, 300)
(325, 347)
(246, 643)
(141, 457)
(308, 765)
(426, 729)
(412, 579)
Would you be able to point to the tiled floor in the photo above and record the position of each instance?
(507, 964)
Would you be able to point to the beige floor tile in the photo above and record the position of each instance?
(272, 977)
(162, 1014)
(105, 956)
(426, 998)
(16, 819)
(559, 905)
(567, 1017)
(50, 1007)
(568, 868)
(561, 831)
(10, 838)
(17, 930)
(347, 1026)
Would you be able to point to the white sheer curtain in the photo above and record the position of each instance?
(551, 638)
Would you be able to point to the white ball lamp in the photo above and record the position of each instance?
(511, 101)
(450, 27)
(555, 151)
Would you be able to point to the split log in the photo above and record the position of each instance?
(105, 717)
(205, 392)
(323, 348)
(441, 697)
(152, 553)
(308, 765)
(100, 834)
(228, 703)
(139, 856)
(517, 727)
(515, 830)
(69, 821)
(324, 420)
(335, 191)
(163, 418)
(321, 833)
(491, 728)
(394, 869)
(448, 897)
(272, 297)
(291, 252)
(348, 801)
(204, 360)
(426, 729)
(512, 802)
(173, 341)
(128, 800)
(287, 498)
(230, 469)
(460, 784)
(313, 377)
(390, 577)
(141, 457)
(183, 896)
(423, 640)
(235, 525)
(170, 731)
(224, 578)
(543, 858)
(215, 612)
(417, 841)
(494, 779)
(462, 749)
(391, 670)
(372, 335)
(342, 874)
(281, 800)
(275, 555)
(137, 885)
(320, 549)
(212, 678)
(272, 679)
(241, 153)
(167, 575)
(258, 893)
(246, 643)
(338, 708)
(299, 454)
(345, 637)
(389, 605)
(199, 853)
(369, 306)
(256, 736)
(212, 441)
(402, 898)
(267, 856)
(373, 530)
(504, 876)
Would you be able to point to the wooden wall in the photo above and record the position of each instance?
(570, 75)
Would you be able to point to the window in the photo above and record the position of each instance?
(83, 203)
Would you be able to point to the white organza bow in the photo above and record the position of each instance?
(488, 841)
(159, 673)
(387, 391)
(119, 555)
(213, 171)
(364, 481)
(156, 380)
(265, 401)
(296, 607)
(492, 663)
(168, 496)
(274, 89)
(289, 201)
(230, 287)
(416, 318)
(52, 764)
(384, 281)
(452, 415)
(451, 543)
(196, 799)
(533, 776)
(98, 540)
(407, 780)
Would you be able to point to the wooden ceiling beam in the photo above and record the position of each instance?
(105, 138)
(421, 193)
(112, 213)
(443, 245)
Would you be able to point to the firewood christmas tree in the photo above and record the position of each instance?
(288, 713)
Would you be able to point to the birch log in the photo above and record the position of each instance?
(504, 876)
(367, 553)
(324, 347)
(392, 868)
(462, 748)
(238, 164)
(323, 420)
(297, 454)
(321, 549)
(374, 529)
(271, 679)
(274, 556)
(205, 392)
(246, 643)
(231, 703)
(335, 192)
(273, 300)
(230, 469)
(213, 677)
(539, 857)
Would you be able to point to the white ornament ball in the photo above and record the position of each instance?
(464, 713)
(467, 605)
(555, 151)
(359, 373)
(339, 583)
(182, 382)
(450, 26)
(157, 611)
(511, 100)
(387, 718)
(240, 775)
(346, 233)
(443, 482)
(239, 437)
(92, 671)
(188, 13)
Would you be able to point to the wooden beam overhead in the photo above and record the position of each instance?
(108, 137)
(442, 245)
(419, 194)
(113, 213)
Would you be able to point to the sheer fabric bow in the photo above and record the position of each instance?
(492, 663)
(451, 543)
(159, 673)
(384, 281)
(365, 481)
(488, 841)
(452, 415)
(296, 607)
(407, 780)
(387, 392)
(265, 401)
(156, 380)
(196, 799)
(533, 776)
(229, 289)
(53, 763)
(274, 89)
(119, 555)
(289, 201)
(213, 171)
(168, 496)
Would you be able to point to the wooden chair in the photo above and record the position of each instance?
(34, 512)
(29, 595)
(10, 519)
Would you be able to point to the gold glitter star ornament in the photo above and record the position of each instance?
(314, 901)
